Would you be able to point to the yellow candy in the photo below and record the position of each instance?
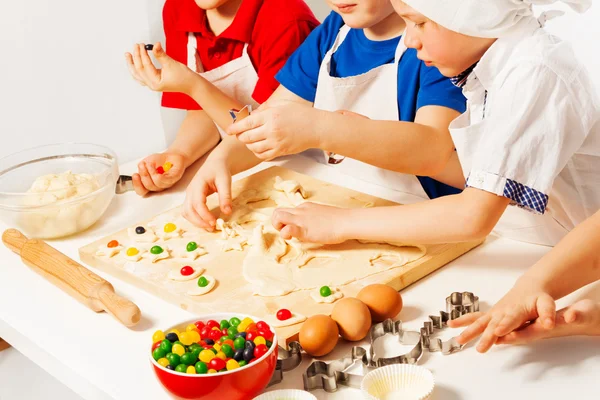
(259, 340)
(195, 335)
(163, 362)
(221, 355)
(232, 364)
(191, 327)
(176, 331)
(191, 370)
(167, 166)
(206, 355)
(212, 371)
(217, 346)
(158, 336)
(178, 349)
(132, 251)
(170, 227)
(244, 324)
(186, 338)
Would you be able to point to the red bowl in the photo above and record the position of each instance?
(239, 384)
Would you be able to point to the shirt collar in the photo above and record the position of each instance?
(191, 18)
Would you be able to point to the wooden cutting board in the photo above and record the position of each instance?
(233, 293)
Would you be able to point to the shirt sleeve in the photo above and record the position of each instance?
(176, 48)
(534, 125)
(301, 72)
(437, 90)
(276, 53)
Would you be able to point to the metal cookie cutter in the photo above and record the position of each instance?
(405, 337)
(328, 375)
(457, 305)
(234, 113)
(287, 360)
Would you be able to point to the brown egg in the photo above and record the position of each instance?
(319, 335)
(383, 301)
(353, 318)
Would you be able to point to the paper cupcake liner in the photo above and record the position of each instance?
(286, 394)
(399, 381)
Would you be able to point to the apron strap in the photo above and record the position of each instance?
(343, 32)
(193, 61)
(401, 49)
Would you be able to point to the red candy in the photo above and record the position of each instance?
(199, 325)
(260, 350)
(217, 364)
(266, 333)
(205, 332)
(160, 170)
(251, 335)
(224, 332)
(112, 244)
(212, 324)
(215, 335)
(155, 345)
(185, 271)
(284, 314)
(262, 325)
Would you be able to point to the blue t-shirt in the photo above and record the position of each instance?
(418, 85)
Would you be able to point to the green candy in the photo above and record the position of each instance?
(202, 282)
(325, 291)
(234, 321)
(158, 353)
(223, 338)
(189, 359)
(225, 324)
(191, 246)
(231, 332)
(227, 350)
(174, 359)
(239, 343)
(166, 345)
(156, 250)
(201, 367)
(268, 344)
(181, 368)
(242, 363)
(213, 350)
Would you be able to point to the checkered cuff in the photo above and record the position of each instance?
(521, 195)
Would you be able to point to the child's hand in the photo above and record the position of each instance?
(514, 310)
(148, 179)
(212, 177)
(309, 222)
(581, 318)
(173, 77)
(277, 129)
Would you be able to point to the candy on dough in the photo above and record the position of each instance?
(137, 257)
(157, 257)
(175, 274)
(199, 291)
(181, 252)
(105, 251)
(147, 237)
(169, 235)
(338, 264)
(293, 320)
(336, 294)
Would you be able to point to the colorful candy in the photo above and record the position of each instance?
(202, 282)
(284, 314)
(325, 291)
(167, 166)
(169, 227)
(156, 250)
(132, 251)
(112, 244)
(140, 230)
(191, 246)
(211, 346)
(160, 170)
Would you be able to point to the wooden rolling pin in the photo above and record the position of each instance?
(72, 277)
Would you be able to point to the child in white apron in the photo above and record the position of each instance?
(530, 136)
(230, 47)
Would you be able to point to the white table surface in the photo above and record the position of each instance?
(98, 358)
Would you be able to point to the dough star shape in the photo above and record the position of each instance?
(335, 295)
(293, 320)
(105, 251)
(181, 252)
(147, 237)
(338, 264)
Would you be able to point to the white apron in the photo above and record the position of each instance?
(237, 79)
(516, 223)
(373, 94)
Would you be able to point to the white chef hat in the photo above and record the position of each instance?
(487, 18)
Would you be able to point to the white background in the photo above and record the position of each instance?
(63, 78)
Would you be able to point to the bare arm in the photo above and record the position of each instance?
(195, 137)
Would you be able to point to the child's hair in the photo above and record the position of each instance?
(490, 18)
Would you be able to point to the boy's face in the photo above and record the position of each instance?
(361, 14)
(210, 4)
(449, 51)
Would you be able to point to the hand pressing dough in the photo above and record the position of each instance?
(175, 274)
(147, 237)
(338, 264)
(293, 320)
(336, 294)
(105, 251)
(199, 291)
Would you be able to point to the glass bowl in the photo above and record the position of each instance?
(64, 201)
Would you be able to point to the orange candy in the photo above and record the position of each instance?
(112, 244)
(251, 327)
